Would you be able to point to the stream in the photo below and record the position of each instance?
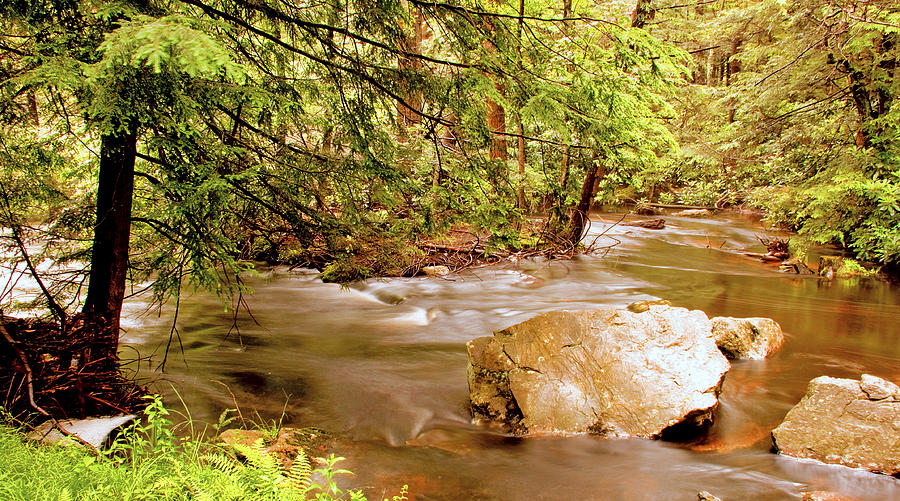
(383, 365)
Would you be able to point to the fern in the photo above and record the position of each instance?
(221, 462)
(301, 470)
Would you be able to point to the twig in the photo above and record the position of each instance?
(29, 375)
(57, 310)
(237, 407)
(604, 232)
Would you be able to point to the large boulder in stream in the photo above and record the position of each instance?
(842, 421)
(747, 338)
(612, 372)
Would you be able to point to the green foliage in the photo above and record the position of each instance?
(272, 131)
(792, 108)
(147, 461)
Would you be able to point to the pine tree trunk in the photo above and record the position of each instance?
(109, 256)
(411, 108)
(497, 125)
(642, 13)
(580, 216)
(520, 157)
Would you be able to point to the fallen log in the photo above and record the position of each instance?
(678, 206)
(764, 257)
(452, 248)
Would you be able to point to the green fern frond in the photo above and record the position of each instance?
(221, 462)
(259, 458)
(301, 469)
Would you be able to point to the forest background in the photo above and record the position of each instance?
(170, 144)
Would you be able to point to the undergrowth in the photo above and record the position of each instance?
(149, 462)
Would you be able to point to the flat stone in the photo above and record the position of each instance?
(837, 422)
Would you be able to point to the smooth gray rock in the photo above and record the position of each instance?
(842, 421)
(611, 372)
(748, 338)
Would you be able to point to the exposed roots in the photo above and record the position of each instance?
(42, 370)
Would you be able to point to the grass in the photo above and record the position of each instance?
(148, 462)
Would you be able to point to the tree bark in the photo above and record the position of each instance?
(410, 110)
(520, 157)
(580, 216)
(520, 128)
(642, 13)
(496, 115)
(109, 256)
(497, 126)
(33, 108)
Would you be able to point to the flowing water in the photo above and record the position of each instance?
(383, 365)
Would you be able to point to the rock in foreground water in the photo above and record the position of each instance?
(611, 372)
(748, 338)
(842, 421)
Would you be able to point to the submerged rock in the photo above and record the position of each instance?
(650, 224)
(826, 496)
(613, 372)
(646, 210)
(750, 338)
(436, 271)
(842, 421)
(796, 266)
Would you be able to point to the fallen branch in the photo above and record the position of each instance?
(679, 206)
(452, 248)
(765, 257)
(29, 375)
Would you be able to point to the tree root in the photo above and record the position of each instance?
(42, 371)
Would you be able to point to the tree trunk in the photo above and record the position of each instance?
(33, 108)
(497, 126)
(411, 108)
(109, 256)
(710, 67)
(521, 161)
(580, 216)
(496, 115)
(642, 13)
(520, 129)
